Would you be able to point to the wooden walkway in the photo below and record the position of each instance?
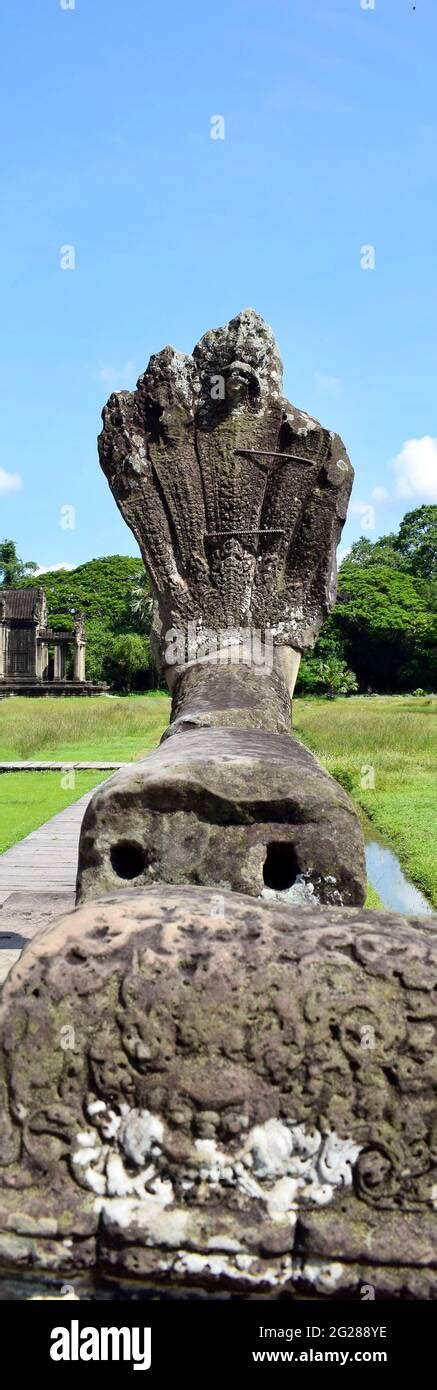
(37, 880)
(46, 860)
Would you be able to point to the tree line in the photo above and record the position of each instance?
(382, 633)
(381, 636)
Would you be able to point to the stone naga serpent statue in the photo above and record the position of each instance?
(237, 501)
(216, 1074)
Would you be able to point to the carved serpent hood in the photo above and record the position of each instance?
(236, 498)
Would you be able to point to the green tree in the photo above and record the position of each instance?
(12, 569)
(330, 643)
(336, 678)
(309, 680)
(141, 601)
(127, 661)
(370, 553)
(102, 590)
(413, 549)
(387, 627)
(98, 642)
(417, 542)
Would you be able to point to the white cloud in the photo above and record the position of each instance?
(9, 482)
(415, 469)
(49, 569)
(379, 494)
(117, 378)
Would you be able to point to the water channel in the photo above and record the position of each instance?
(387, 877)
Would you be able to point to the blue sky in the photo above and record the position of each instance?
(330, 145)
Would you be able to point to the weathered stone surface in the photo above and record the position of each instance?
(209, 695)
(238, 1101)
(237, 499)
(22, 914)
(232, 808)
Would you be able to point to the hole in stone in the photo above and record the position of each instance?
(128, 859)
(280, 867)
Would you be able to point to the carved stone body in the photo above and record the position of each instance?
(220, 1094)
(237, 501)
(239, 808)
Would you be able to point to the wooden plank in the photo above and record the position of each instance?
(38, 879)
(46, 860)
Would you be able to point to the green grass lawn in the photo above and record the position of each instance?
(28, 799)
(65, 730)
(383, 750)
(77, 728)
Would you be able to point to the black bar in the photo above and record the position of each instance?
(199, 1339)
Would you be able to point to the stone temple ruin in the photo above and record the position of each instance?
(33, 656)
(220, 1065)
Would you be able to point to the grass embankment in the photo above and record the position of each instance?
(74, 728)
(373, 899)
(383, 750)
(28, 799)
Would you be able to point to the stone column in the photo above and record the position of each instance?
(32, 653)
(79, 661)
(44, 657)
(59, 666)
(41, 658)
